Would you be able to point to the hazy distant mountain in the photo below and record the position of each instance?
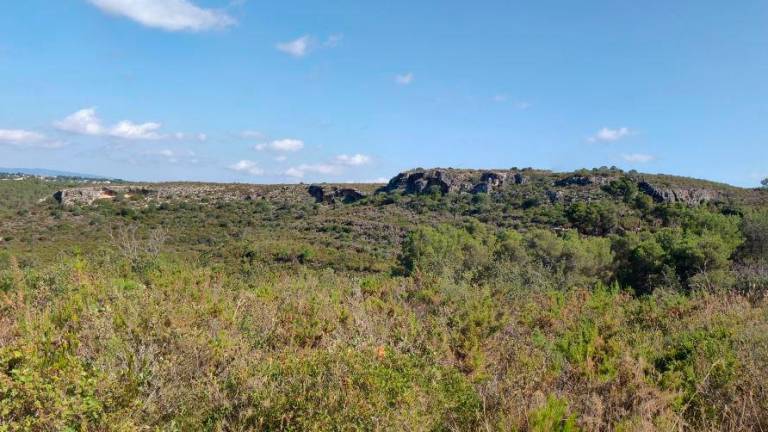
(49, 173)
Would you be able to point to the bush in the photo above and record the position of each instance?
(599, 218)
(442, 251)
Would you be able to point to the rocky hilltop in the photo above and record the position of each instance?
(556, 187)
(544, 186)
(420, 181)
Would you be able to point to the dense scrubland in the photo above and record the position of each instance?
(497, 311)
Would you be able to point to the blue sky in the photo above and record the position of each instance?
(263, 92)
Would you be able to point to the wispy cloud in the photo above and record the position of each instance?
(169, 15)
(252, 134)
(353, 160)
(404, 79)
(173, 156)
(134, 131)
(609, 135)
(297, 48)
(333, 40)
(191, 137)
(638, 158)
(336, 167)
(300, 171)
(247, 167)
(377, 180)
(306, 44)
(282, 145)
(27, 139)
(503, 98)
(522, 105)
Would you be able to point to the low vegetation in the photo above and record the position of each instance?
(430, 312)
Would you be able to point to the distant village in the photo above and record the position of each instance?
(52, 178)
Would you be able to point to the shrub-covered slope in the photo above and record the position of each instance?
(538, 302)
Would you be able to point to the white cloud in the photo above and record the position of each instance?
(84, 122)
(638, 158)
(190, 137)
(500, 98)
(87, 122)
(248, 167)
(335, 167)
(170, 15)
(609, 135)
(27, 139)
(132, 131)
(18, 136)
(283, 145)
(281, 158)
(353, 160)
(297, 48)
(300, 170)
(404, 79)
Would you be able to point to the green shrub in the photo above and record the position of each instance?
(553, 417)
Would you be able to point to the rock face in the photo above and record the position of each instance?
(420, 181)
(84, 195)
(333, 194)
(445, 181)
(582, 180)
(555, 197)
(688, 196)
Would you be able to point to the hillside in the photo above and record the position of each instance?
(205, 215)
(504, 299)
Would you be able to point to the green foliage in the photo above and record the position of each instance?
(369, 391)
(755, 229)
(553, 417)
(701, 242)
(442, 251)
(623, 188)
(597, 218)
(500, 311)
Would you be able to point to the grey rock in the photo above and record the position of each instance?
(688, 196)
(83, 196)
(555, 196)
(333, 194)
(582, 180)
(420, 181)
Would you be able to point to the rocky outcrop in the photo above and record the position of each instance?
(555, 197)
(688, 196)
(333, 194)
(421, 181)
(88, 195)
(83, 196)
(520, 179)
(489, 181)
(445, 181)
(582, 180)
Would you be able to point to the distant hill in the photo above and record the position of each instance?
(49, 173)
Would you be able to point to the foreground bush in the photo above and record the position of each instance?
(94, 345)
